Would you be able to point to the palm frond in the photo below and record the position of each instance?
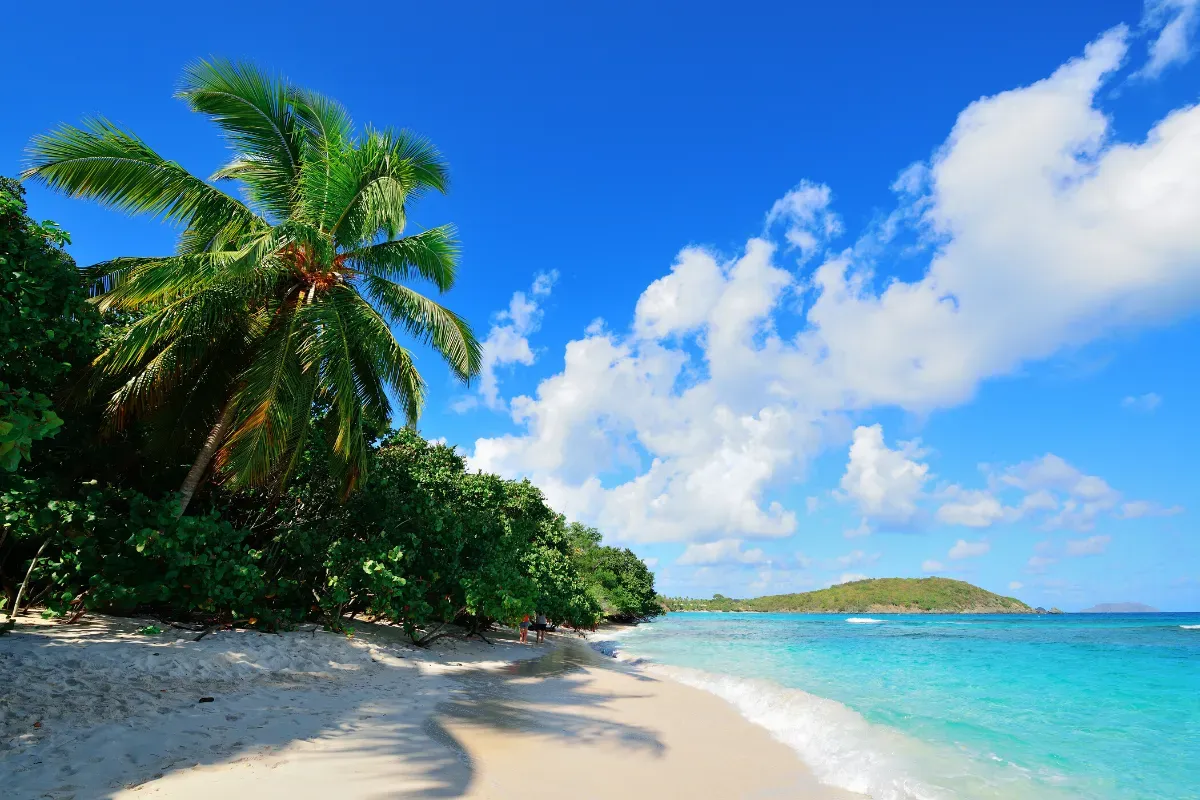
(369, 190)
(106, 276)
(328, 346)
(147, 388)
(431, 254)
(382, 355)
(428, 322)
(256, 276)
(254, 111)
(176, 381)
(205, 314)
(328, 137)
(101, 162)
(266, 404)
(303, 413)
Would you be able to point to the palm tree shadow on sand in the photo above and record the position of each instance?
(538, 697)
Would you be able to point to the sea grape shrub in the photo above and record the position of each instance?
(492, 579)
(625, 583)
(124, 552)
(562, 588)
(389, 550)
(24, 419)
(46, 324)
(620, 582)
(423, 543)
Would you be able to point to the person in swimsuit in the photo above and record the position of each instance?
(540, 626)
(525, 629)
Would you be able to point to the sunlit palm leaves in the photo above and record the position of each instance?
(280, 302)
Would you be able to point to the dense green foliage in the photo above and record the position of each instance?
(276, 303)
(422, 543)
(620, 582)
(46, 325)
(879, 596)
(254, 337)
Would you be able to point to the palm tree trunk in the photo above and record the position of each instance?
(216, 438)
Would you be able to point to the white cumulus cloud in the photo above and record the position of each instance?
(1039, 563)
(688, 425)
(930, 565)
(973, 508)
(884, 483)
(862, 529)
(1145, 508)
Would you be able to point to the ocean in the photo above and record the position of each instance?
(1092, 706)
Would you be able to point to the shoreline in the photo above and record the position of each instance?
(95, 710)
(892, 610)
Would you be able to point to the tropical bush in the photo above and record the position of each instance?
(619, 581)
(424, 543)
(46, 325)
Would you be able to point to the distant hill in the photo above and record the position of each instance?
(874, 596)
(1120, 608)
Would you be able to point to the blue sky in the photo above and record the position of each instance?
(805, 291)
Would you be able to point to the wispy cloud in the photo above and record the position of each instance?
(1142, 402)
(964, 549)
(1171, 23)
(1091, 546)
(507, 341)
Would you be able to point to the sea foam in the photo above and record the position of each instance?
(863, 620)
(1190, 627)
(837, 743)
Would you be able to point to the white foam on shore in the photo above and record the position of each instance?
(863, 620)
(840, 747)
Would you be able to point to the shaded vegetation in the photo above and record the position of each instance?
(878, 596)
(46, 325)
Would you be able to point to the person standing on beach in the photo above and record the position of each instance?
(525, 629)
(540, 627)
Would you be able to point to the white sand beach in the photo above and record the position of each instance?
(95, 710)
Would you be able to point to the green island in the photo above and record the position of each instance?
(874, 596)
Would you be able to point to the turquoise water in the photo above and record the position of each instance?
(933, 706)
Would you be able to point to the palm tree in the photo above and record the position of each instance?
(275, 304)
